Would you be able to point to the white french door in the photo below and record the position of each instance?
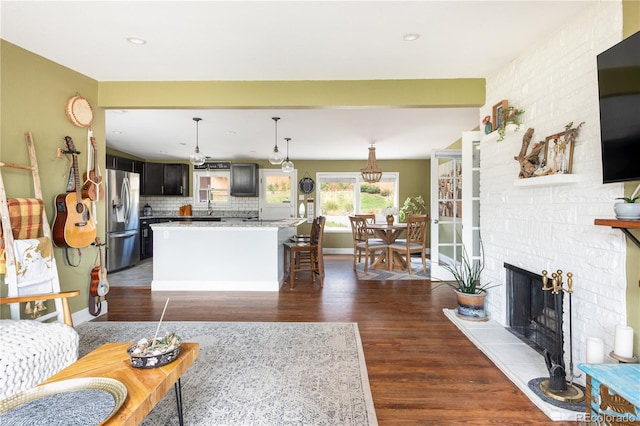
(446, 211)
(278, 192)
(455, 205)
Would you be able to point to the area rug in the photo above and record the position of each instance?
(259, 373)
(384, 275)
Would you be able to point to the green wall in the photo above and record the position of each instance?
(34, 92)
(631, 25)
(465, 92)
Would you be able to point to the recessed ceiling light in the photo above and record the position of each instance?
(136, 40)
(116, 132)
(411, 37)
(182, 143)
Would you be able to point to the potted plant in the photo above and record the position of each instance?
(412, 205)
(470, 293)
(509, 115)
(628, 209)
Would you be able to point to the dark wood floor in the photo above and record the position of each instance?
(422, 370)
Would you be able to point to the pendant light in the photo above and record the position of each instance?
(287, 166)
(371, 173)
(197, 159)
(276, 156)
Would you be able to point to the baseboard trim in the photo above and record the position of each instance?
(84, 315)
(337, 251)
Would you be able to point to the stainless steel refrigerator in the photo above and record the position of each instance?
(123, 236)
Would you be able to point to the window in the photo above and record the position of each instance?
(277, 194)
(341, 195)
(213, 187)
(278, 188)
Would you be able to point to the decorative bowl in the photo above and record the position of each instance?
(149, 354)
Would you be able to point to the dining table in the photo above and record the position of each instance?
(388, 234)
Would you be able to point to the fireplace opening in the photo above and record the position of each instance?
(532, 313)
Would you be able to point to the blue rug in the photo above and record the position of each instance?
(384, 275)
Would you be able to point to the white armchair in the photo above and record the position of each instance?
(32, 351)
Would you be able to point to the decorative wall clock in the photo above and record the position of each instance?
(306, 185)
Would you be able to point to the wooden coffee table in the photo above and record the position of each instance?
(145, 387)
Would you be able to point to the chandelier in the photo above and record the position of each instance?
(197, 159)
(371, 173)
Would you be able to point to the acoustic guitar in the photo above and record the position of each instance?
(92, 187)
(73, 225)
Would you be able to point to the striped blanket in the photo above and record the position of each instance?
(25, 215)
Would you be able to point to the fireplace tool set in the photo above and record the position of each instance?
(556, 386)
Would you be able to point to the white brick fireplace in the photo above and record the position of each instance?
(551, 227)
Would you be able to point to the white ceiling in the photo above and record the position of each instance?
(283, 40)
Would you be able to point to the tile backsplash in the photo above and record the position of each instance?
(240, 206)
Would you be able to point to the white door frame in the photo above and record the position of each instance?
(471, 193)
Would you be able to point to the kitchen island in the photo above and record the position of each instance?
(220, 256)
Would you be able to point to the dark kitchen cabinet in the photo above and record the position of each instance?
(244, 180)
(176, 179)
(165, 179)
(146, 238)
(152, 179)
(122, 163)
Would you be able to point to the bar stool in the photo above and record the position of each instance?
(306, 256)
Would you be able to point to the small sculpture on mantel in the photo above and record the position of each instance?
(529, 163)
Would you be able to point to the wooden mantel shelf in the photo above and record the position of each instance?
(623, 225)
(619, 223)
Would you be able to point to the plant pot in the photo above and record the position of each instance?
(471, 306)
(390, 219)
(627, 210)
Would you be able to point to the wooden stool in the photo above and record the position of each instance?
(306, 256)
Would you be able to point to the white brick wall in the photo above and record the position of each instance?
(551, 227)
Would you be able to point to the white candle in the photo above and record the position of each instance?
(595, 350)
(623, 341)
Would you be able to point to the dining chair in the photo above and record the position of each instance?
(414, 243)
(371, 219)
(306, 255)
(363, 243)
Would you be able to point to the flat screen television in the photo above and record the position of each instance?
(619, 94)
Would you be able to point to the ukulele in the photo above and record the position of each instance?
(73, 225)
(92, 187)
(99, 284)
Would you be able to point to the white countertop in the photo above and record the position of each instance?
(283, 223)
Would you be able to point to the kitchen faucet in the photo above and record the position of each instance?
(209, 207)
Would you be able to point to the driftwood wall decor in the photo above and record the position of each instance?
(529, 163)
(560, 152)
